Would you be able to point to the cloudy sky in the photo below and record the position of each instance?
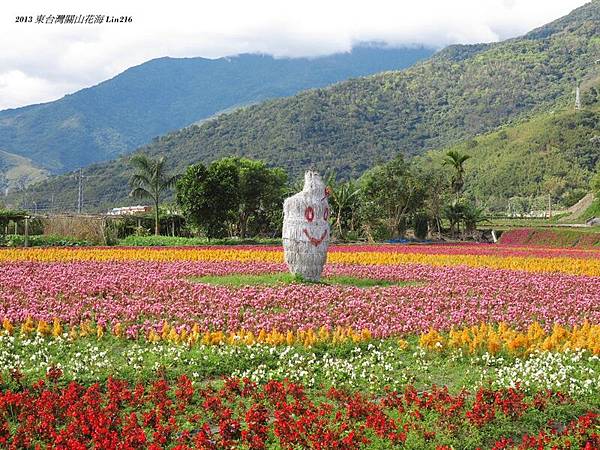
(42, 62)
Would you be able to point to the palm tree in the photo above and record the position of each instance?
(471, 216)
(456, 160)
(343, 198)
(150, 180)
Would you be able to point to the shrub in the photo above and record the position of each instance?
(80, 228)
(18, 240)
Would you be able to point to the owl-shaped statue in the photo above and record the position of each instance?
(306, 228)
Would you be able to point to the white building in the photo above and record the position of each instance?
(129, 210)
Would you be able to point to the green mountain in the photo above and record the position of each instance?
(18, 171)
(118, 115)
(553, 153)
(458, 93)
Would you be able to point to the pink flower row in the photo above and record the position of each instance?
(142, 295)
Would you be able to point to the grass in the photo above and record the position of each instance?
(592, 211)
(284, 278)
(175, 241)
(506, 223)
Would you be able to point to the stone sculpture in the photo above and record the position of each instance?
(306, 228)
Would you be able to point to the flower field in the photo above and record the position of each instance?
(466, 346)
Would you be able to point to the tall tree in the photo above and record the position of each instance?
(389, 194)
(150, 180)
(456, 160)
(261, 192)
(209, 197)
(435, 182)
(232, 192)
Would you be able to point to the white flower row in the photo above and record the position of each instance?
(368, 367)
(574, 372)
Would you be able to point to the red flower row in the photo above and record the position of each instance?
(243, 414)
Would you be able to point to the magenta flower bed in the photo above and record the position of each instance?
(142, 295)
(561, 239)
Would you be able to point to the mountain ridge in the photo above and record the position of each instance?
(458, 93)
(164, 94)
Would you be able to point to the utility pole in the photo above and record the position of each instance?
(80, 193)
(577, 99)
(26, 243)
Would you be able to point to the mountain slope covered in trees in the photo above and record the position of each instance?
(165, 94)
(458, 93)
(18, 171)
(554, 154)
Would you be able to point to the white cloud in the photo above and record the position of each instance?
(41, 62)
(18, 88)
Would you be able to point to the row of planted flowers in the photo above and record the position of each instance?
(368, 366)
(546, 260)
(525, 343)
(491, 338)
(170, 253)
(142, 296)
(242, 414)
(557, 238)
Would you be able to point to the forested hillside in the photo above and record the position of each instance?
(457, 94)
(162, 95)
(554, 153)
(17, 171)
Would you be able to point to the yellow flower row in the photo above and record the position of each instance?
(572, 266)
(496, 338)
(482, 338)
(169, 333)
(307, 338)
(62, 254)
(532, 264)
